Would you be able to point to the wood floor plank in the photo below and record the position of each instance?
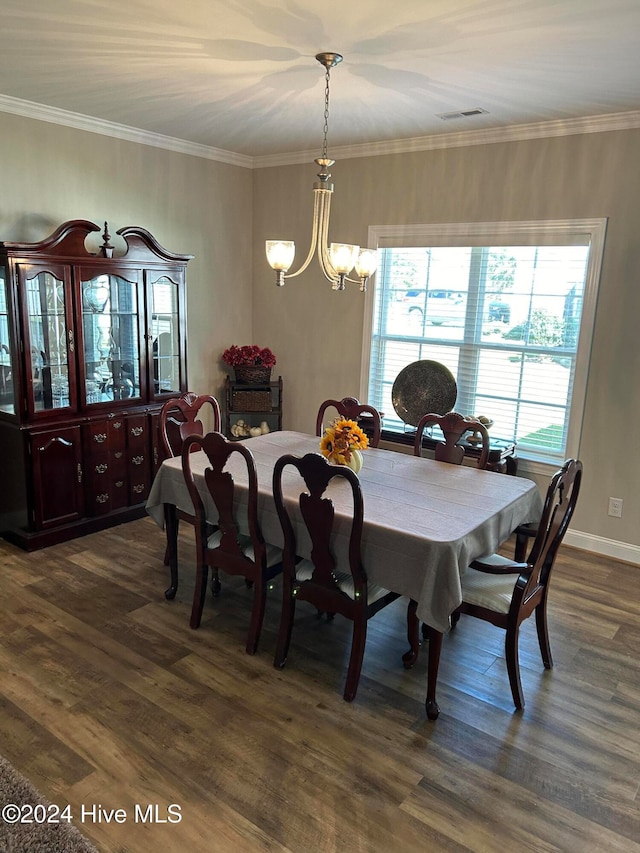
(108, 697)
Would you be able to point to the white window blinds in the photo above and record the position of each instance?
(507, 307)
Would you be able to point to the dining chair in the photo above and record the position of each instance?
(506, 592)
(352, 409)
(453, 426)
(332, 582)
(237, 546)
(180, 417)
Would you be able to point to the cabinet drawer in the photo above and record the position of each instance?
(97, 436)
(106, 435)
(139, 489)
(119, 491)
(99, 499)
(137, 433)
(107, 488)
(117, 433)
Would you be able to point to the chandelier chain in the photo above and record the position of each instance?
(326, 113)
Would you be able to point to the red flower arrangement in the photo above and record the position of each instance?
(251, 355)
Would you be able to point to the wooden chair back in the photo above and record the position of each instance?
(352, 409)
(332, 583)
(179, 418)
(237, 546)
(182, 416)
(560, 503)
(490, 593)
(453, 426)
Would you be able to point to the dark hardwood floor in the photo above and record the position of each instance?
(109, 700)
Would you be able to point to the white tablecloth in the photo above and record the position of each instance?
(424, 521)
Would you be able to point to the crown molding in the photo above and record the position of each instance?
(513, 133)
(53, 115)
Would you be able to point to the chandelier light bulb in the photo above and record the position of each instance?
(367, 262)
(280, 254)
(343, 257)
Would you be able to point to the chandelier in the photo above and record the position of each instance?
(339, 259)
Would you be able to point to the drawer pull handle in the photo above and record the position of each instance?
(101, 468)
(102, 499)
(139, 488)
(100, 437)
(138, 460)
(118, 454)
(136, 431)
(117, 424)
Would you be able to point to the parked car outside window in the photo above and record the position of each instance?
(499, 311)
(443, 307)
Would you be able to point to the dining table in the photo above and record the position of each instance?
(424, 521)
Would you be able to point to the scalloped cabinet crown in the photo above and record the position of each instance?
(92, 343)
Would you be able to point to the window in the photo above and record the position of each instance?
(507, 307)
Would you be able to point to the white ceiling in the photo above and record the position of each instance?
(240, 75)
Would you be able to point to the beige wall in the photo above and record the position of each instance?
(317, 334)
(50, 174)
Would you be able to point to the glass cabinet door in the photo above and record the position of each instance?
(164, 332)
(49, 350)
(111, 338)
(7, 398)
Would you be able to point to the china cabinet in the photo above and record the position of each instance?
(92, 343)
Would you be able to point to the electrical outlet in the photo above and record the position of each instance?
(615, 507)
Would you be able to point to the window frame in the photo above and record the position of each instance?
(529, 232)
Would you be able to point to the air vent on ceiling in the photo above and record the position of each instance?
(476, 111)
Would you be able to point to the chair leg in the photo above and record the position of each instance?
(513, 665)
(435, 647)
(355, 659)
(257, 616)
(286, 625)
(216, 586)
(520, 551)
(413, 635)
(199, 595)
(543, 634)
(171, 527)
(167, 550)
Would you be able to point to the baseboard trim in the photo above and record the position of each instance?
(607, 547)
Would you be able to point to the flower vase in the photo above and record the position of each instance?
(355, 462)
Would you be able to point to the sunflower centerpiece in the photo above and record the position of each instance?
(342, 442)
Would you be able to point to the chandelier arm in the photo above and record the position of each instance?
(314, 236)
(323, 241)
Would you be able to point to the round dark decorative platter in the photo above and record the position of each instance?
(423, 387)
